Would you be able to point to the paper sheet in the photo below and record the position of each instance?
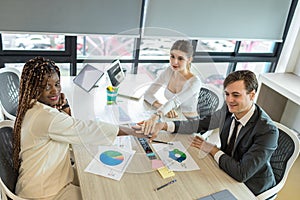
(175, 156)
(111, 162)
(123, 142)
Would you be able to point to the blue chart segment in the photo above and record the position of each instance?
(111, 158)
(177, 155)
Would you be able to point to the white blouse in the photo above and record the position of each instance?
(187, 98)
(45, 137)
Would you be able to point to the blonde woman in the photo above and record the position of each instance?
(181, 87)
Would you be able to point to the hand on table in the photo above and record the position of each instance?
(200, 143)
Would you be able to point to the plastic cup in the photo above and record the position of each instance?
(112, 96)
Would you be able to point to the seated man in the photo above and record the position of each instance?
(246, 157)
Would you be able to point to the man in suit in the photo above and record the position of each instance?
(246, 157)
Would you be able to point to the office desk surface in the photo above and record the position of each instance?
(139, 182)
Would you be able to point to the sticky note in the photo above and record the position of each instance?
(157, 164)
(165, 172)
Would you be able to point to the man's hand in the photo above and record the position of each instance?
(200, 143)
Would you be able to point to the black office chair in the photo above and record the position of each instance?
(8, 175)
(209, 100)
(9, 91)
(282, 159)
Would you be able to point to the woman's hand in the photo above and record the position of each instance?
(139, 128)
(156, 104)
(149, 124)
(63, 104)
(172, 114)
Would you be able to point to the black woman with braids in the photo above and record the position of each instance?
(43, 131)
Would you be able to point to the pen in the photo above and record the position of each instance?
(158, 141)
(169, 183)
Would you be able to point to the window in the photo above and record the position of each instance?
(215, 45)
(257, 47)
(33, 42)
(104, 46)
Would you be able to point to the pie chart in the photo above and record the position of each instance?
(111, 158)
(177, 155)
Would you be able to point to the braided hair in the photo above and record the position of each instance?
(31, 87)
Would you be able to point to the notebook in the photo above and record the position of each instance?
(130, 85)
(222, 195)
(88, 77)
(134, 86)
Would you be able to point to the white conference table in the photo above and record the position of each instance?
(140, 180)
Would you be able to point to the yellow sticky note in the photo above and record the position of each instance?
(165, 172)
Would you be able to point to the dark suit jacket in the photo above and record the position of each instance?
(256, 141)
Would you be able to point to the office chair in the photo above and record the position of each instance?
(282, 159)
(209, 100)
(8, 175)
(9, 91)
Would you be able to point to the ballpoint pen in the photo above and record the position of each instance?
(169, 183)
(163, 142)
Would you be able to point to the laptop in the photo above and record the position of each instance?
(88, 77)
(132, 85)
(115, 73)
(222, 195)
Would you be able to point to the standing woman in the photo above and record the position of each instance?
(181, 87)
(43, 131)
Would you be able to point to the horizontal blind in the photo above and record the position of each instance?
(231, 19)
(71, 16)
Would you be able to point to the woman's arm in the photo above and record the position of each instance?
(161, 81)
(190, 88)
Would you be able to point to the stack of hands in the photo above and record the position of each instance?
(153, 130)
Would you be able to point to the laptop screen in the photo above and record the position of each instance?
(115, 73)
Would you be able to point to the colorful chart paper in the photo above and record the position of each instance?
(175, 156)
(110, 161)
(111, 158)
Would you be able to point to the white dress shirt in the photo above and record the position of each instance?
(45, 158)
(187, 98)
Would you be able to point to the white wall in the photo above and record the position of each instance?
(290, 62)
(291, 49)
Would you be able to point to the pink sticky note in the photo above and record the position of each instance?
(157, 164)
